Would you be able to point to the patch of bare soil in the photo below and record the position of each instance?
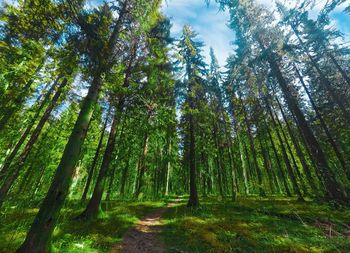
(144, 237)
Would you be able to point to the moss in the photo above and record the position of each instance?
(248, 225)
(253, 225)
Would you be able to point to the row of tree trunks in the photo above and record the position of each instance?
(17, 168)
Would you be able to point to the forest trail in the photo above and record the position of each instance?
(143, 238)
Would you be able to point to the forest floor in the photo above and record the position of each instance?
(248, 225)
(257, 225)
(144, 238)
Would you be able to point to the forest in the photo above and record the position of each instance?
(117, 136)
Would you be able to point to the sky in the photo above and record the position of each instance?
(208, 22)
(211, 24)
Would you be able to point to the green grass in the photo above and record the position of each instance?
(254, 225)
(75, 235)
(248, 225)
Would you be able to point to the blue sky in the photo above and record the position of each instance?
(211, 26)
(210, 23)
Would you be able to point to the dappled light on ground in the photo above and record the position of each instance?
(73, 235)
(255, 225)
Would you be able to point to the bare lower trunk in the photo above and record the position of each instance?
(95, 159)
(93, 208)
(38, 239)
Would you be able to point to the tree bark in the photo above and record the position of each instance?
(253, 150)
(300, 154)
(93, 208)
(333, 189)
(38, 239)
(284, 153)
(330, 138)
(141, 167)
(95, 159)
(23, 156)
(26, 132)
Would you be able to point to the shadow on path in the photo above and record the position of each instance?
(144, 237)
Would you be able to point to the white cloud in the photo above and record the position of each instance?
(208, 22)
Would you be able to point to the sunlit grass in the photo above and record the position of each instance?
(254, 225)
(76, 235)
(248, 225)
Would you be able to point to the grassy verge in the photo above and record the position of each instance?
(257, 225)
(76, 236)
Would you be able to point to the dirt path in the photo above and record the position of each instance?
(144, 237)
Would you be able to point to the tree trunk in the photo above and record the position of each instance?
(141, 167)
(218, 161)
(253, 150)
(267, 163)
(332, 187)
(295, 165)
(93, 208)
(284, 153)
(193, 200)
(95, 159)
(330, 138)
(168, 171)
(23, 156)
(125, 173)
(280, 169)
(12, 155)
(38, 239)
(300, 154)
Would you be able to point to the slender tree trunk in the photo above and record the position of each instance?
(245, 161)
(330, 138)
(110, 184)
(112, 172)
(38, 183)
(125, 173)
(295, 165)
(25, 180)
(324, 80)
(272, 171)
(333, 189)
(193, 200)
(279, 165)
(93, 207)
(95, 159)
(219, 161)
(253, 150)
(231, 161)
(23, 156)
(284, 153)
(168, 171)
(267, 163)
(300, 154)
(26, 132)
(38, 239)
(141, 168)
